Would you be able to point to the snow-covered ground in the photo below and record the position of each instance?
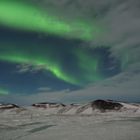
(65, 124)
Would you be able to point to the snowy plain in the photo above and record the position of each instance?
(47, 124)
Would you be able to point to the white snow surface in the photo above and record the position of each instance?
(68, 123)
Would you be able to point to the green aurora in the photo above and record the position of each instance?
(3, 91)
(47, 59)
(23, 15)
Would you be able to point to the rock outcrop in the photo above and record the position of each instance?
(8, 106)
(48, 105)
(104, 105)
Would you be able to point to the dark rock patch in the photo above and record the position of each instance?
(48, 105)
(8, 106)
(103, 105)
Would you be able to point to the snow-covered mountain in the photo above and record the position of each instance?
(91, 108)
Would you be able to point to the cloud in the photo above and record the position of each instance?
(24, 68)
(121, 21)
(40, 96)
(122, 87)
(123, 31)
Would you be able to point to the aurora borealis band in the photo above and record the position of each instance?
(13, 13)
(40, 49)
(54, 58)
(62, 59)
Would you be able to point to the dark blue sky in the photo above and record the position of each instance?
(27, 79)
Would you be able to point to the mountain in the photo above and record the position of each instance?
(91, 108)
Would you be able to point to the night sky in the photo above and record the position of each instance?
(49, 53)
